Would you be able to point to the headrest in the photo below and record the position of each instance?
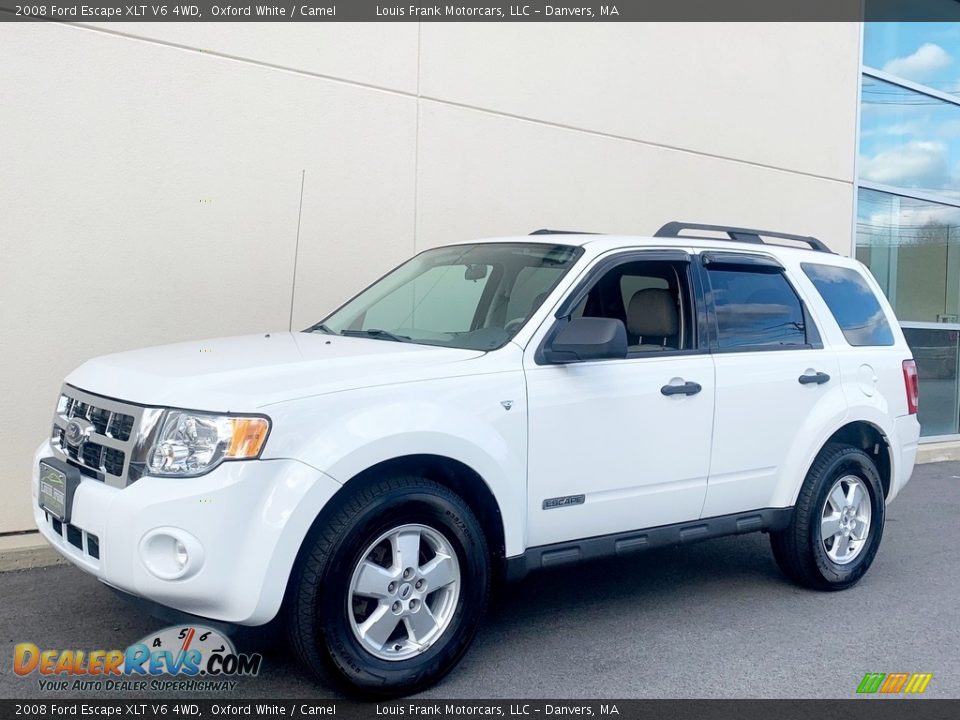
(652, 312)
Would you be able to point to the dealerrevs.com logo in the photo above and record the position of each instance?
(198, 658)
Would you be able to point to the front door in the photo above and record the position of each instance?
(623, 444)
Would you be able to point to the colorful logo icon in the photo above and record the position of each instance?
(892, 683)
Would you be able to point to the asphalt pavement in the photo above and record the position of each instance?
(710, 620)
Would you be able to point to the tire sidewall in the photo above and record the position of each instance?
(856, 463)
(344, 650)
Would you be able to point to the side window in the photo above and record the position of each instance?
(755, 309)
(651, 298)
(852, 303)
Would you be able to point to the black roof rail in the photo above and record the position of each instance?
(548, 231)
(738, 234)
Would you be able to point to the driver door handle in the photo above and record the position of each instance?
(819, 378)
(687, 388)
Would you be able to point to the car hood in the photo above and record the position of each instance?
(251, 371)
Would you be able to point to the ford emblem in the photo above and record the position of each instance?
(77, 431)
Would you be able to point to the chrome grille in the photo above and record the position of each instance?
(111, 423)
(108, 450)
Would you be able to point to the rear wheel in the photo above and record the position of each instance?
(389, 593)
(837, 522)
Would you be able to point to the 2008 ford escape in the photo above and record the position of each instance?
(481, 411)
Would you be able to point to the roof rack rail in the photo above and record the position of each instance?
(548, 231)
(737, 234)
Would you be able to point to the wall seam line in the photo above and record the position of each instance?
(418, 96)
(624, 138)
(240, 59)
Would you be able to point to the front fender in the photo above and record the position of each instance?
(343, 434)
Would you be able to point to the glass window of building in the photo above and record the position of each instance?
(912, 247)
(909, 140)
(921, 52)
(908, 200)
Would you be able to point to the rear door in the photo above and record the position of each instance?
(772, 377)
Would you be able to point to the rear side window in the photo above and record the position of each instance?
(853, 304)
(756, 310)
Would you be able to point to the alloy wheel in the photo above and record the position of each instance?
(403, 592)
(845, 520)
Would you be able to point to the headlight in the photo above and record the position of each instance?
(191, 443)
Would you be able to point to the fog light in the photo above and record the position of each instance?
(171, 553)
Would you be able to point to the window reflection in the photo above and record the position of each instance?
(912, 247)
(909, 140)
(923, 52)
(910, 237)
(937, 352)
(852, 303)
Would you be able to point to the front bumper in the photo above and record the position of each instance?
(248, 520)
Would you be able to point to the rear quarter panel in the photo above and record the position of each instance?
(871, 376)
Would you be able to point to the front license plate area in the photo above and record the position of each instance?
(58, 482)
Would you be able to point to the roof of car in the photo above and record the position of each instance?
(603, 243)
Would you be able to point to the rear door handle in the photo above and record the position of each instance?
(819, 378)
(687, 388)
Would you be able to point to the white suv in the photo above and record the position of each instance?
(485, 410)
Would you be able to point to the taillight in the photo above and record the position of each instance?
(912, 382)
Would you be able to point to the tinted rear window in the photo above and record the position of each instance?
(853, 304)
(756, 310)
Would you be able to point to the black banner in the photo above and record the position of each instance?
(476, 11)
(876, 709)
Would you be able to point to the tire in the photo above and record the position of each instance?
(838, 562)
(364, 547)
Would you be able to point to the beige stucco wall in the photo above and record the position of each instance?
(150, 175)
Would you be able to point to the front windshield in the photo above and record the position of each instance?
(465, 296)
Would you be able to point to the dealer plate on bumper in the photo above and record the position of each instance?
(58, 482)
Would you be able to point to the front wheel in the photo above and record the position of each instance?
(837, 522)
(390, 590)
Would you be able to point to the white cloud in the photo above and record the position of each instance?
(949, 128)
(918, 163)
(916, 216)
(927, 60)
(912, 127)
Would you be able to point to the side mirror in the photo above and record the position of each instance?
(588, 338)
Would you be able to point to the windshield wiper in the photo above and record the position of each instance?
(377, 334)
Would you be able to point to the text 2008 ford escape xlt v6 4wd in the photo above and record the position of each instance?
(483, 410)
